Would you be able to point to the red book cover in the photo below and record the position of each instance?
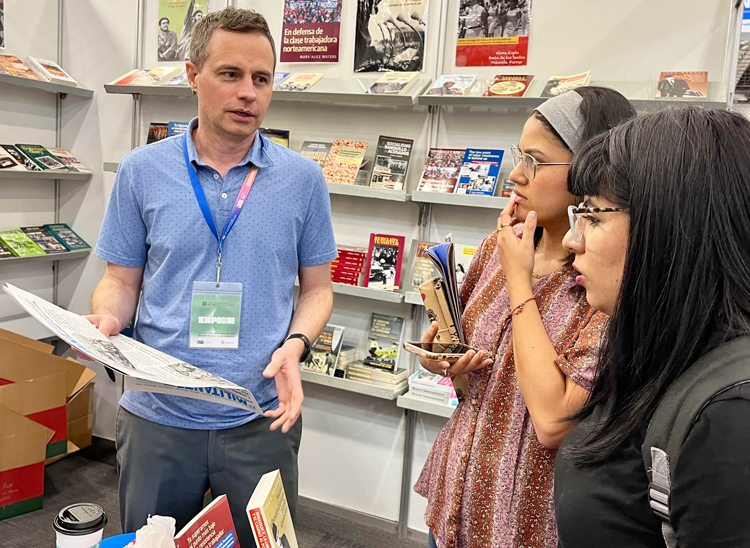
(384, 261)
(509, 85)
(441, 170)
(683, 85)
(213, 527)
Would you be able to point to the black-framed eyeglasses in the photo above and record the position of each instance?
(578, 221)
(529, 163)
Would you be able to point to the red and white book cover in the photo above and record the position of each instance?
(509, 85)
(269, 515)
(384, 261)
(213, 527)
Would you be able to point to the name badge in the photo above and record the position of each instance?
(215, 315)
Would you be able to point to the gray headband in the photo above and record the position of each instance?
(563, 114)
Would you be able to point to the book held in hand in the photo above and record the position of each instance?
(479, 171)
(441, 170)
(509, 85)
(213, 527)
(384, 341)
(41, 157)
(557, 85)
(325, 351)
(452, 84)
(301, 81)
(66, 236)
(316, 151)
(20, 244)
(49, 71)
(44, 239)
(391, 163)
(384, 261)
(268, 512)
(393, 83)
(682, 85)
(343, 161)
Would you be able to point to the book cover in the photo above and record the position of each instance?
(8, 163)
(49, 71)
(421, 267)
(155, 76)
(301, 81)
(316, 151)
(278, 77)
(325, 351)
(393, 83)
(20, 244)
(452, 84)
(441, 170)
(177, 128)
(15, 67)
(41, 157)
(391, 163)
(44, 239)
(279, 136)
(156, 132)
(4, 251)
(343, 161)
(213, 527)
(311, 31)
(384, 341)
(21, 158)
(127, 78)
(463, 255)
(509, 85)
(176, 79)
(384, 261)
(479, 171)
(557, 85)
(682, 85)
(70, 161)
(268, 512)
(67, 237)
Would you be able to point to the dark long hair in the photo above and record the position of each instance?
(684, 176)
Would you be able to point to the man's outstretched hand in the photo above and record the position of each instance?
(284, 368)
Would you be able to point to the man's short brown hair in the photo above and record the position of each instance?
(231, 19)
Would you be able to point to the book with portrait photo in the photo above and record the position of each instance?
(393, 83)
(509, 85)
(325, 351)
(452, 84)
(383, 265)
(384, 341)
(391, 163)
(682, 85)
(557, 85)
(441, 169)
(41, 157)
(479, 171)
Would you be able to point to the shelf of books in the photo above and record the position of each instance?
(368, 293)
(350, 385)
(353, 91)
(172, 91)
(59, 175)
(51, 242)
(466, 200)
(79, 254)
(422, 405)
(368, 192)
(50, 87)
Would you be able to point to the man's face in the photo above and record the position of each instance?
(235, 84)
(164, 25)
(198, 16)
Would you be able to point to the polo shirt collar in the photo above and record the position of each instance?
(258, 155)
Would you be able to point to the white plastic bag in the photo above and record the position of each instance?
(157, 533)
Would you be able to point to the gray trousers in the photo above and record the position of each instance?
(166, 471)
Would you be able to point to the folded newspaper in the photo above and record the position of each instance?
(145, 369)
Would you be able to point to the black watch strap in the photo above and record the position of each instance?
(304, 339)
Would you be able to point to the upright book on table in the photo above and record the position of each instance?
(384, 341)
(20, 244)
(42, 157)
(391, 163)
(393, 83)
(557, 85)
(70, 161)
(49, 71)
(325, 351)
(301, 81)
(682, 85)
(213, 527)
(509, 85)
(343, 161)
(452, 84)
(384, 261)
(479, 171)
(268, 512)
(44, 239)
(441, 170)
(66, 236)
(316, 150)
(21, 158)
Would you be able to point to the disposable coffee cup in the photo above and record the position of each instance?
(80, 526)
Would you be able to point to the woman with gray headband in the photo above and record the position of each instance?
(488, 479)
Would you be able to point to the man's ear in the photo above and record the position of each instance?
(192, 72)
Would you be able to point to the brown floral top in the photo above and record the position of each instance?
(488, 480)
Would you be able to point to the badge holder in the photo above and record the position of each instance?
(215, 315)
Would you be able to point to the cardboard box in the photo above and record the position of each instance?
(27, 373)
(80, 413)
(23, 445)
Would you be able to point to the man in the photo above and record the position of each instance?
(672, 87)
(156, 240)
(167, 41)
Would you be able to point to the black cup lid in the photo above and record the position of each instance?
(80, 519)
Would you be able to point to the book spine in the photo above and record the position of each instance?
(369, 260)
(260, 531)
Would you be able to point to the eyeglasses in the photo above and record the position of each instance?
(578, 221)
(529, 163)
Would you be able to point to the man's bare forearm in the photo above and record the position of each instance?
(312, 312)
(117, 293)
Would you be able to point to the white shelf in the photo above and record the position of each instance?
(421, 405)
(51, 175)
(170, 91)
(352, 386)
(412, 297)
(368, 293)
(45, 86)
(465, 200)
(368, 192)
(68, 255)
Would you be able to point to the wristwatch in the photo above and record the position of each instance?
(304, 339)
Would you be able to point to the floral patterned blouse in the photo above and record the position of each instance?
(488, 481)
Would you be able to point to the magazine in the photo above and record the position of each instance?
(301, 81)
(441, 170)
(452, 84)
(479, 171)
(393, 83)
(391, 163)
(509, 85)
(145, 368)
(557, 85)
(682, 85)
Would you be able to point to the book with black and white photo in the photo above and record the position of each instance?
(441, 168)
(393, 83)
(21, 158)
(41, 157)
(66, 236)
(421, 268)
(384, 341)
(4, 251)
(452, 84)
(479, 171)
(156, 132)
(9, 163)
(316, 150)
(392, 158)
(299, 81)
(44, 239)
(557, 85)
(70, 161)
(325, 351)
(49, 71)
(384, 258)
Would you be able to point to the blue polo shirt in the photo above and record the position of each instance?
(153, 220)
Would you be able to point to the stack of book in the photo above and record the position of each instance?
(347, 269)
(347, 356)
(358, 371)
(432, 387)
